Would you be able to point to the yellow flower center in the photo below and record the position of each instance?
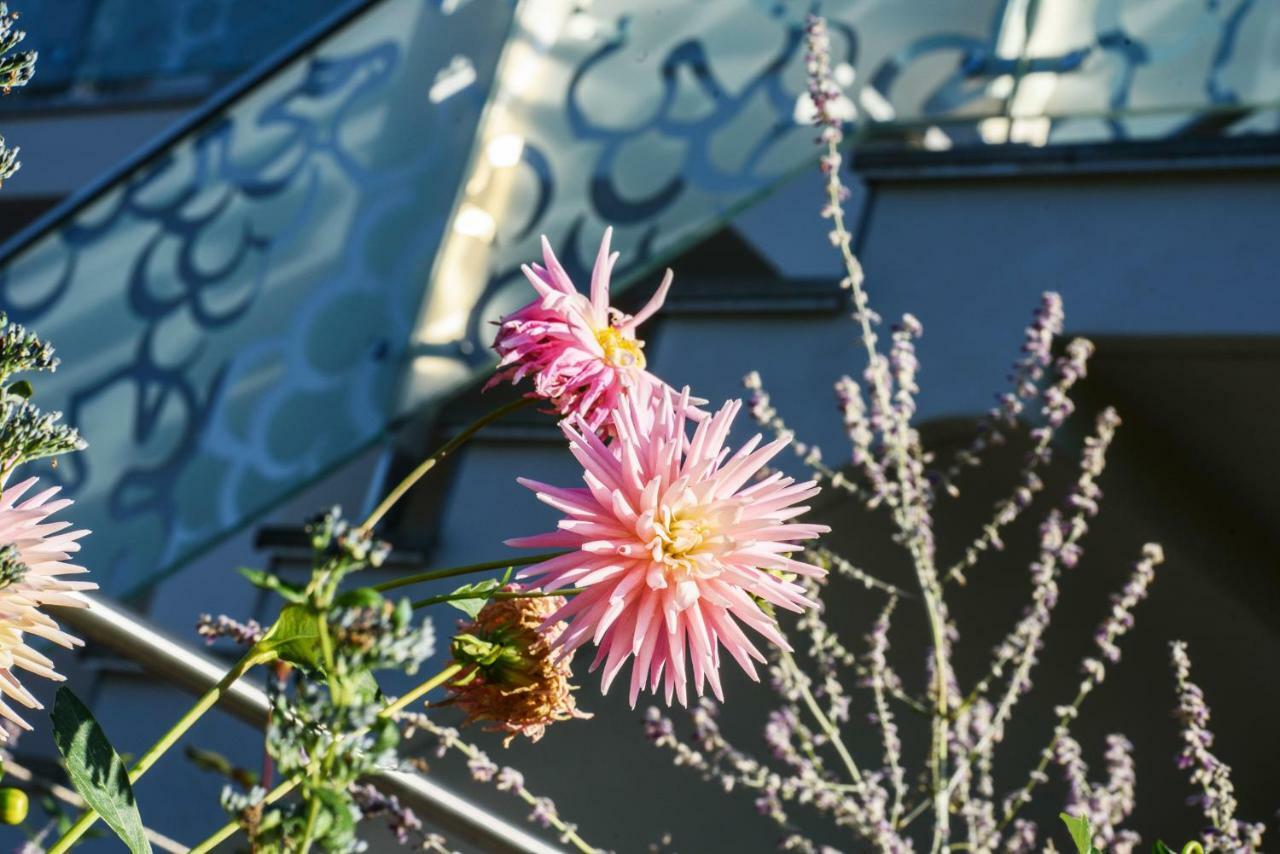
(685, 548)
(685, 537)
(619, 351)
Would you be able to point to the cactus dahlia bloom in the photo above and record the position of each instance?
(582, 354)
(670, 547)
(33, 555)
(519, 686)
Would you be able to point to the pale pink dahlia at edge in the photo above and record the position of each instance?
(582, 354)
(669, 545)
(33, 561)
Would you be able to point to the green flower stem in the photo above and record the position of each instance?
(313, 813)
(436, 574)
(824, 723)
(430, 462)
(500, 595)
(436, 681)
(229, 829)
(252, 658)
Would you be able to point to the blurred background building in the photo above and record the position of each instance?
(269, 239)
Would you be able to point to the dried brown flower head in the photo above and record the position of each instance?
(517, 684)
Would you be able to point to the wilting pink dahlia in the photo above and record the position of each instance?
(33, 559)
(582, 354)
(670, 547)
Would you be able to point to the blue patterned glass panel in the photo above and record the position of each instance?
(232, 315)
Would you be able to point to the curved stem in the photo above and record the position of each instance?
(897, 443)
(308, 834)
(434, 682)
(500, 595)
(824, 723)
(436, 574)
(252, 658)
(445, 450)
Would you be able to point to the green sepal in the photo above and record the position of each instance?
(481, 591)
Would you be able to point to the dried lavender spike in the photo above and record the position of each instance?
(1024, 380)
(763, 413)
(857, 425)
(1057, 407)
(505, 779)
(1105, 805)
(878, 670)
(1210, 773)
(1117, 623)
(211, 628)
(825, 556)
(827, 653)
(1059, 549)
(726, 767)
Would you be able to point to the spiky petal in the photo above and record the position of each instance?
(673, 546)
(34, 554)
(581, 354)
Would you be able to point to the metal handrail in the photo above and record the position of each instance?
(178, 664)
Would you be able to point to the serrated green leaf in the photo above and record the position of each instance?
(295, 638)
(481, 591)
(96, 770)
(269, 581)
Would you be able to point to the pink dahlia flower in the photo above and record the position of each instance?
(582, 354)
(33, 561)
(670, 547)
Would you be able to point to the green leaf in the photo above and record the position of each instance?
(96, 770)
(471, 605)
(268, 581)
(1081, 832)
(296, 637)
(21, 389)
(1161, 848)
